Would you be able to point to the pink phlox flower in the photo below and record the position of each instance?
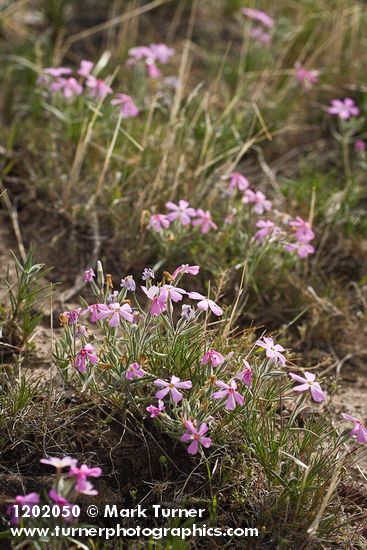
(128, 109)
(267, 228)
(85, 355)
(358, 429)
(205, 303)
(31, 499)
(62, 503)
(204, 221)
(246, 375)
(181, 212)
(174, 292)
(303, 249)
(261, 36)
(115, 312)
(138, 53)
(70, 87)
(94, 310)
(308, 383)
(85, 471)
(72, 315)
(237, 181)
(153, 69)
(57, 72)
(343, 108)
(154, 52)
(261, 204)
(305, 76)
(85, 68)
(273, 351)
(186, 268)
(230, 392)
(158, 298)
(158, 222)
(151, 54)
(172, 387)
(161, 53)
(83, 486)
(59, 463)
(259, 15)
(88, 275)
(303, 230)
(360, 145)
(196, 436)
(134, 371)
(98, 87)
(155, 411)
(213, 357)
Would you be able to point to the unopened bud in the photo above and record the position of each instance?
(100, 276)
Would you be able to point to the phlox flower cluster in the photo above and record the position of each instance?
(183, 214)
(263, 25)
(305, 76)
(62, 80)
(294, 235)
(151, 56)
(66, 489)
(186, 407)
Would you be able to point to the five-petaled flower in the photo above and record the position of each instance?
(303, 230)
(69, 87)
(273, 351)
(267, 228)
(81, 473)
(158, 299)
(213, 357)
(245, 376)
(98, 87)
(358, 428)
(258, 199)
(115, 312)
(302, 249)
(186, 268)
(230, 392)
(155, 411)
(128, 109)
(134, 371)
(204, 220)
(181, 212)
(172, 387)
(196, 436)
(88, 275)
(237, 181)
(205, 303)
(158, 222)
(85, 355)
(85, 68)
(305, 76)
(308, 383)
(30, 500)
(59, 463)
(343, 108)
(63, 504)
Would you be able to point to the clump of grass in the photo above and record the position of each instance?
(24, 294)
